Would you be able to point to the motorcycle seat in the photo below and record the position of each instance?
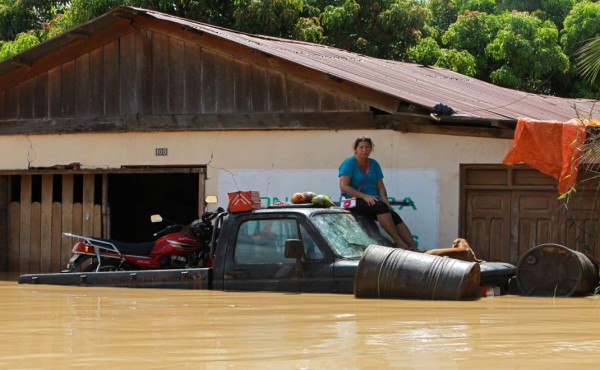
(139, 249)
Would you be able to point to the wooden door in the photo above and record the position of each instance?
(507, 211)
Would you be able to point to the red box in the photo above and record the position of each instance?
(242, 201)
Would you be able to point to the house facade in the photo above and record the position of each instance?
(137, 112)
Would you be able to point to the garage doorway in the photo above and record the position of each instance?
(133, 198)
(41, 205)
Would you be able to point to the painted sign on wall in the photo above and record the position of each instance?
(417, 187)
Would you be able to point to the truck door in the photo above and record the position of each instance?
(258, 260)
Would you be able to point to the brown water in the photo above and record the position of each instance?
(54, 327)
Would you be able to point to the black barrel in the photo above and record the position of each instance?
(385, 272)
(553, 270)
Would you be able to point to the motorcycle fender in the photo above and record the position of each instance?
(76, 261)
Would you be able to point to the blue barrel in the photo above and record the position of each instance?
(385, 272)
(553, 270)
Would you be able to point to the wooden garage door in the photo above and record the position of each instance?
(36, 220)
(506, 211)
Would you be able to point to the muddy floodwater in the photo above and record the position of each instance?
(55, 327)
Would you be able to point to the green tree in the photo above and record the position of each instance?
(555, 10)
(580, 26)
(308, 29)
(18, 16)
(482, 6)
(472, 32)
(270, 17)
(443, 14)
(458, 61)
(588, 60)
(428, 52)
(22, 42)
(340, 24)
(399, 27)
(526, 53)
(82, 11)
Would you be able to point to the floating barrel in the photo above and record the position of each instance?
(553, 270)
(385, 272)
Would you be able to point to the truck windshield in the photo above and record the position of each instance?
(348, 237)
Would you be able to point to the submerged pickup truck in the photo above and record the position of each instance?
(291, 248)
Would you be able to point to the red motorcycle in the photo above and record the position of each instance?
(175, 247)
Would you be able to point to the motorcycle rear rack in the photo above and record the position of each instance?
(98, 245)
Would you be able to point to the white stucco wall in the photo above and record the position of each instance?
(422, 167)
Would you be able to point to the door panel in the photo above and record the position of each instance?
(537, 215)
(488, 232)
(581, 223)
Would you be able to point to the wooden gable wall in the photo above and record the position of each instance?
(150, 73)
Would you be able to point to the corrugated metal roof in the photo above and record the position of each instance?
(414, 84)
(420, 85)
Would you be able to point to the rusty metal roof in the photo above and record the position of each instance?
(412, 84)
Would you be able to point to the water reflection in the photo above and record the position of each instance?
(53, 327)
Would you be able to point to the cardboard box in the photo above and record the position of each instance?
(243, 201)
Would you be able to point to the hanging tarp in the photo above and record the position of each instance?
(552, 147)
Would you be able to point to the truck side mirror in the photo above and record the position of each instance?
(294, 248)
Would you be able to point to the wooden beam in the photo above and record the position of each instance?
(192, 122)
(454, 130)
(256, 121)
(131, 169)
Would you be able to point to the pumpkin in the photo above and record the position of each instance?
(308, 196)
(298, 198)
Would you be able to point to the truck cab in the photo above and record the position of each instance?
(249, 251)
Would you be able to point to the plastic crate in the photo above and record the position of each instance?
(243, 201)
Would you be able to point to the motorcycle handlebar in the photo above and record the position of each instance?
(209, 216)
(167, 230)
(206, 218)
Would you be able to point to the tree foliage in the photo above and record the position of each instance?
(530, 45)
(472, 32)
(588, 59)
(18, 16)
(270, 17)
(527, 52)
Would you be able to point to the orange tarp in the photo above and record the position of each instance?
(551, 147)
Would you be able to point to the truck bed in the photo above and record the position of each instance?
(193, 278)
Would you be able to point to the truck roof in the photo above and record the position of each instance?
(306, 209)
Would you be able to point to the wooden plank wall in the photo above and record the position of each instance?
(35, 240)
(4, 237)
(146, 72)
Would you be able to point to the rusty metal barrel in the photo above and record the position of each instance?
(385, 272)
(553, 270)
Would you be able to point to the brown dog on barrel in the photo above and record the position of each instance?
(460, 250)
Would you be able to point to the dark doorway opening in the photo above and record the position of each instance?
(133, 198)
